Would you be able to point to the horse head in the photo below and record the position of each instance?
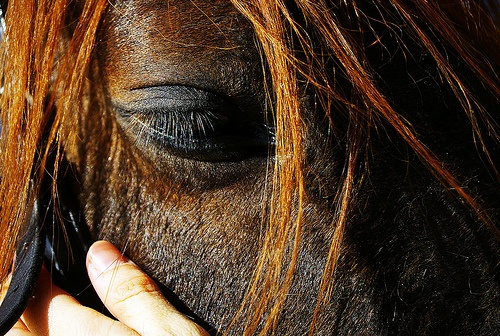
(285, 167)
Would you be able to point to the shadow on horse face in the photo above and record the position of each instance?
(176, 164)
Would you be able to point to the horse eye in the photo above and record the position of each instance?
(194, 124)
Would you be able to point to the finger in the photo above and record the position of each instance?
(19, 329)
(133, 297)
(54, 312)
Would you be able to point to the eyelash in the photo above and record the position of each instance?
(173, 128)
(195, 124)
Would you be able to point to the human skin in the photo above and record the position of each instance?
(126, 291)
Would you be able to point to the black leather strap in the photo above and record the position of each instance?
(29, 259)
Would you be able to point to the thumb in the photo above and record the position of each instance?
(132, 296)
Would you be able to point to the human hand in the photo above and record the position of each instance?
(127, 292)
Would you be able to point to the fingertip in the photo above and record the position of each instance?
(102, 256)
(132, 296)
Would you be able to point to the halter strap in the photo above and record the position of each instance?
(29, 257)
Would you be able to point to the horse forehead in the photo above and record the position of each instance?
(200, 43)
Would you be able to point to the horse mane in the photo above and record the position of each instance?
(319, 43)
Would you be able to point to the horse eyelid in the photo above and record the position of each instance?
(180, 120)
(171, 124)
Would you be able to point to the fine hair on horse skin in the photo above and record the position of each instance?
(279, 167)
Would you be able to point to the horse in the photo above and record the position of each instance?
(287, 168)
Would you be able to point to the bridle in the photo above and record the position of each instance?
(29, 258)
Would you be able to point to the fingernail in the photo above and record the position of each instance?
(103, 255)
